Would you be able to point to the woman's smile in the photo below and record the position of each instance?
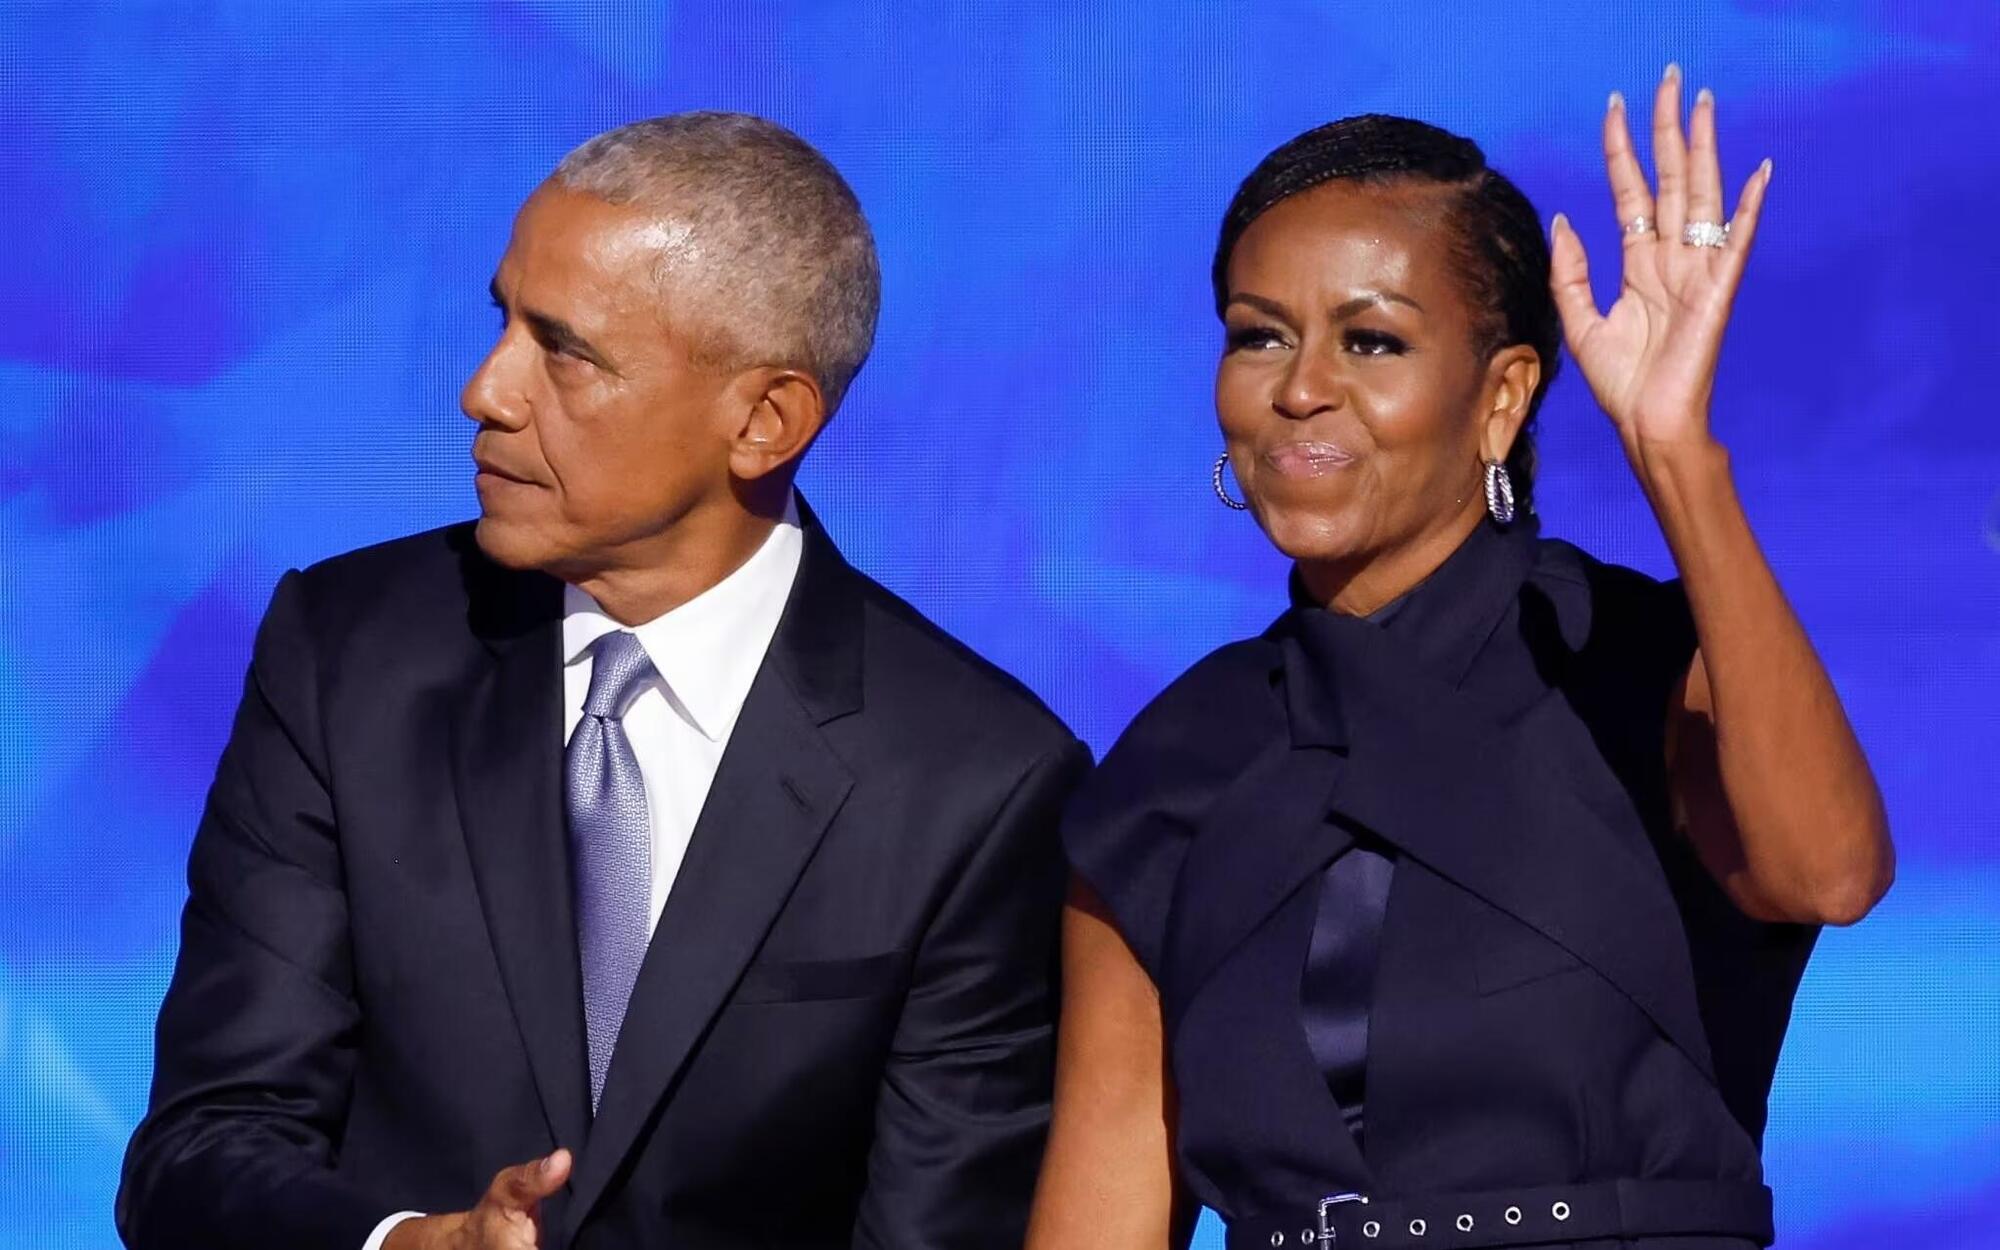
(1307, 458)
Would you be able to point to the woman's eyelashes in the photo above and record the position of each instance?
(1354, 340)
(1242, 338)
(1362, 342)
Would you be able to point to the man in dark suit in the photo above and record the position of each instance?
(624, 870)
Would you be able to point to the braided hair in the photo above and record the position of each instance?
(1496, 240)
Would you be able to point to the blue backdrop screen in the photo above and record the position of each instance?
(243, 257)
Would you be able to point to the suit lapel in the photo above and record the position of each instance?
(778, 788)
(507, 771)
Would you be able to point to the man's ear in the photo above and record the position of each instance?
(782, 411)
(1511, 378)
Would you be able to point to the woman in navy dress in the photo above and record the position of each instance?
(1465, 906)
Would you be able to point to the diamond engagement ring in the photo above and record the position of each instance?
(1705, 234)
(1641, 224)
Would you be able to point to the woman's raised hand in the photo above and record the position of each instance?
(1650, 359)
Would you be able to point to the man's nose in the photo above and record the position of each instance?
(491, 396)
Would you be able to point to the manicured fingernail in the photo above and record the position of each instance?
(1766, 167)
(1704, 96)
(1673, 72)
(1616, 102)
(1561, 222)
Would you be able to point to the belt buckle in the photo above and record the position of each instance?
(1326, 1206)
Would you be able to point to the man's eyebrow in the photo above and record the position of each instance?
(560, 336)
(555, 334)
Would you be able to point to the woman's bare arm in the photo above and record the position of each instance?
(1769, 781)
(1108, 1178)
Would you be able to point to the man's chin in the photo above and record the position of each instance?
(508, 545)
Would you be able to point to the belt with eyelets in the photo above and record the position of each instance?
(1624, 1209)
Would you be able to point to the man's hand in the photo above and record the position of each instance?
(505, 1219)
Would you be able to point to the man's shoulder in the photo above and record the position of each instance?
(409, 561)
(936, 684)
(414, 586)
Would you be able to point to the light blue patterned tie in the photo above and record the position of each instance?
(611, 847)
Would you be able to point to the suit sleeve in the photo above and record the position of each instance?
(256, 1041)
(964, 1107)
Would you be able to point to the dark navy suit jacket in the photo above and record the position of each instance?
(1562, 994)
(842, 1032)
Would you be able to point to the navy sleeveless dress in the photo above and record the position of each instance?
(1435, 967)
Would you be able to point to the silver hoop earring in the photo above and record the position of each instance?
(1221, 491)
(1499, 492)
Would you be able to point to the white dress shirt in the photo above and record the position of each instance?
(705, 654)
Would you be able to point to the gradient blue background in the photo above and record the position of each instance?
(243, 257)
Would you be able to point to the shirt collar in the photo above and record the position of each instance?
(707, 651)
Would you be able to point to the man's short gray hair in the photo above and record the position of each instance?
(765, 223)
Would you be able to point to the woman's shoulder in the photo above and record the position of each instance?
(1127, 829)
(1602, 606)
(1559, 562)
(1192, 736)
(1229, 690)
